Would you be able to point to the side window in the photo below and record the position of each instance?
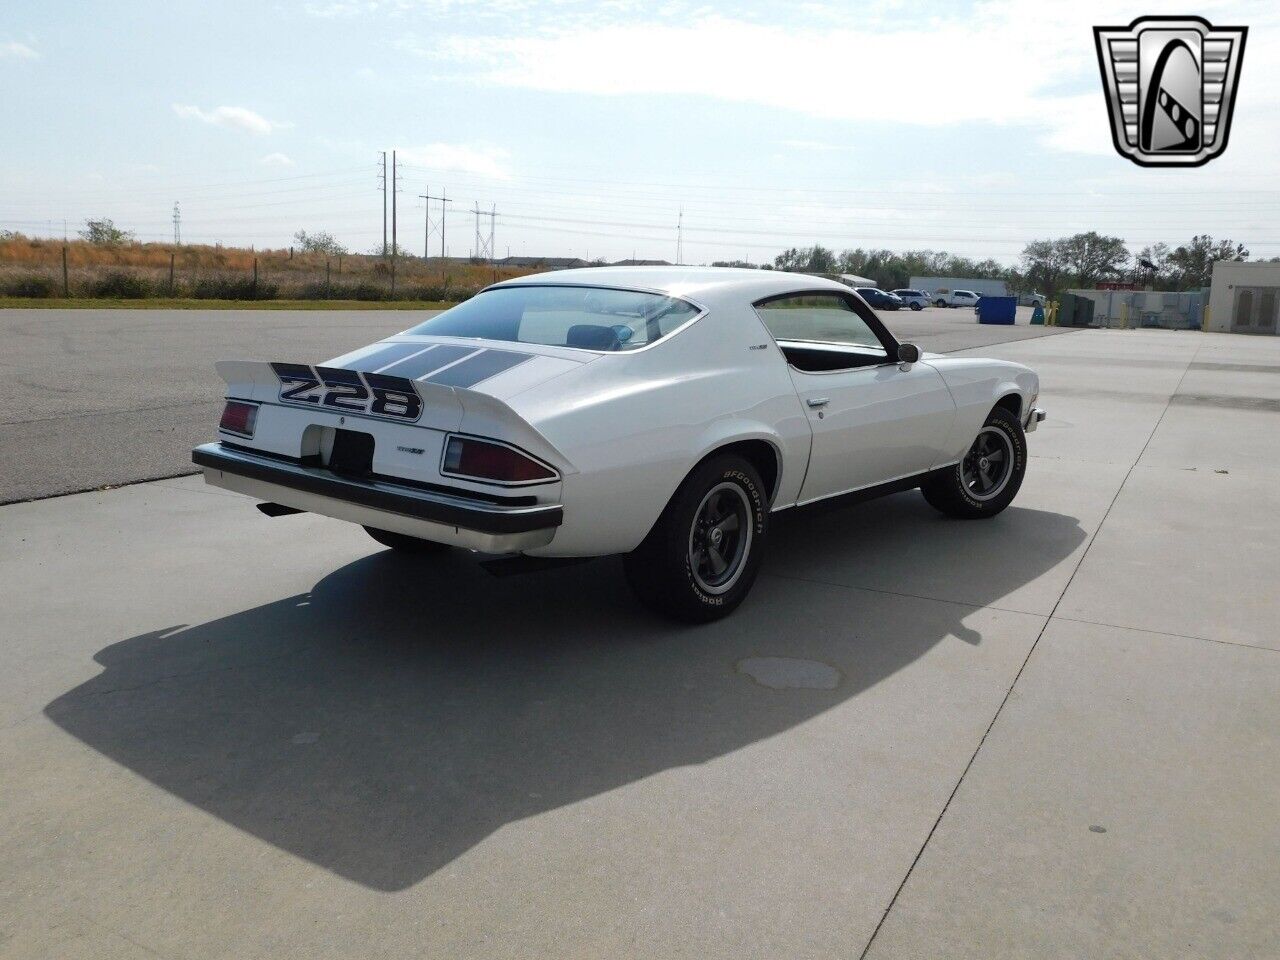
(818, 318)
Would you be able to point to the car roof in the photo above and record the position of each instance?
(704, 284)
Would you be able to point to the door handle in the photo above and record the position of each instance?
(818, 401)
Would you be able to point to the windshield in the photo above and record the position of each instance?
(589, 318)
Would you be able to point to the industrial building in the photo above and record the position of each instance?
(985, 288)
(1243, 297)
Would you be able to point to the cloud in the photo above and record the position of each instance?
(480, 159)
(819, 146)
(985, 64)
(12, 49)
(234, 118)
(276, 160)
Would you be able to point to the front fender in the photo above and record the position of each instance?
(976, 386)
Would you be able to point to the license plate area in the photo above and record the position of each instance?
(351, 454)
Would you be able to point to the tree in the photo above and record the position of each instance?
(320, 242)
(105, 233)
(815, 259)
(1045, 264)
(1191, 265)
(1092, 257)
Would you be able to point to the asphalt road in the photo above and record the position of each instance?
(93, 398)
(1051, 734)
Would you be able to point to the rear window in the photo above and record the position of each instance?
(588, 318)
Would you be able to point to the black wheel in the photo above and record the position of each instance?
(405, 543)
(916, 305)
(988, 478)
(701, 557)
(939, 303)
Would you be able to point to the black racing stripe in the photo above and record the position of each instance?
(412, 365)
(441, 356)
(380, 358)
(480, 367)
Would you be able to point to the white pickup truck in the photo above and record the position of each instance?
(955, 298)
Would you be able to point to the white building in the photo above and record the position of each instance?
(985, 288)
(1243, 297)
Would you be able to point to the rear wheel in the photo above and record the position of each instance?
(939, 302)
(405, 543)
(701, 557)
(988, 478)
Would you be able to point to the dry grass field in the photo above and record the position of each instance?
(32, 270)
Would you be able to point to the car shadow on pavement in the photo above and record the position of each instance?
(402, 711)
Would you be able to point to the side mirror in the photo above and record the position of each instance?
(908, 353)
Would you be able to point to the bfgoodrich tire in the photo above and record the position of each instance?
(403, 543)
(702, 556)
(988, 478)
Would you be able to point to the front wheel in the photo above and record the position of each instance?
(916, 306)
(939, 303)
(701, 557)
(987, 479)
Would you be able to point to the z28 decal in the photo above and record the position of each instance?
(348, 391)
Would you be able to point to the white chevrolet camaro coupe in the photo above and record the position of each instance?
(662, 413)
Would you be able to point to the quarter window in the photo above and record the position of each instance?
(818, 318)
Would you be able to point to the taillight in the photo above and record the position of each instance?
(480, 460)
(239, 418)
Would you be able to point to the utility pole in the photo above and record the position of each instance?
(394, 247)
(443, 198)
(382, 179)
(680, 237)
(177, 225)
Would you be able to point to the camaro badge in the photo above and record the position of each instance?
(1171, 86)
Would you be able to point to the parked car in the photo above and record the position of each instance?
(660, 413)
(879, 298)
(956, 298)
(1032, 299)
(915, 299)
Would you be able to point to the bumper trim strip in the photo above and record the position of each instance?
(419, 504)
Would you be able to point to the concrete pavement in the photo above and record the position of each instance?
(1054, 734)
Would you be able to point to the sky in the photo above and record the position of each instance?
(594, 129)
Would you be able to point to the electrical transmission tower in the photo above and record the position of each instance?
(438, 227)
(484, 247)
(177, 225)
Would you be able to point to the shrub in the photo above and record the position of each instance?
(365, 291)
(316, 291)
(119, 285)
(29, 285)
(223, 287)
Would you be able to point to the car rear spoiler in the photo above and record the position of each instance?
(451, 409)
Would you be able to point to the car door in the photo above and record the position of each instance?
(873, 419)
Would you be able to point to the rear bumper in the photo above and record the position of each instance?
(1034, 420)
(456, 520)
